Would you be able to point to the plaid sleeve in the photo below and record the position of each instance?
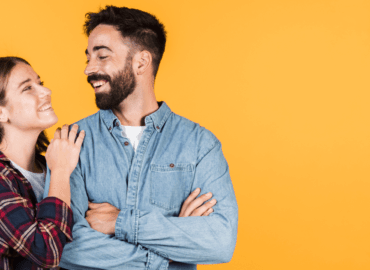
(37, 235)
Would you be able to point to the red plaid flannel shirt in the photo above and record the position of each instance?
(32, 235)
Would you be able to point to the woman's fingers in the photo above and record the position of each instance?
(80, 139)
(64, 132)
(57, 133)
(72, 133)
(65, 148)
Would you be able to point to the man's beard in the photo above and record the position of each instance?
(121, 86)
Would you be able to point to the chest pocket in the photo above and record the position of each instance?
(170, 184)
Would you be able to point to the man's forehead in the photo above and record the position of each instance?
(109, 36)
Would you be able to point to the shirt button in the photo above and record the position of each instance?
(157, 127)
(110, 128)
(172, 165)
(117, 124)
(126, 143)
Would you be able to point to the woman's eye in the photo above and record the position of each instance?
(27, 88)
(42, 83)
(87, 61)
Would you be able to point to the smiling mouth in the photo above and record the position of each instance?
(46, 107)
(98, 84)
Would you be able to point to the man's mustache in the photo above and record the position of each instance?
(98, 77)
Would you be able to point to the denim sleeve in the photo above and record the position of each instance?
(194, 240)
(95, 250)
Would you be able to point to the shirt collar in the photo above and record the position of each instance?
(157, 119)
(3, 157)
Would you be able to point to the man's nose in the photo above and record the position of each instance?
(91, 68)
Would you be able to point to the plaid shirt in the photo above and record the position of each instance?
(32, 235)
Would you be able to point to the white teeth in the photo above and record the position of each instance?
(98, 83)
(45, 107)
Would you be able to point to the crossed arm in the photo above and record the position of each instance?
(152, 239)
(102, 217)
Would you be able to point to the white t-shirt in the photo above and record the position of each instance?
(133, 133)
(37, 180)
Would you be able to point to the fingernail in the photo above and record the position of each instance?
(213, 201)
(209, 194)
(197, 189)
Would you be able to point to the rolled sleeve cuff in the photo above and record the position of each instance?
(57, 212)
(127, 225)
(156, 262)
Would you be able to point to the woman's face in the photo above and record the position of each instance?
(27, 101)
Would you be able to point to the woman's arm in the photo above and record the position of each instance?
(62, 157)
(37, 235)
(40, 233)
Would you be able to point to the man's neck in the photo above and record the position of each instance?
(133, 110)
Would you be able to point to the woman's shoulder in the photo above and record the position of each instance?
(7, 174)
(4, 165)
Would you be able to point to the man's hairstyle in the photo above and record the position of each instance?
(142, 28)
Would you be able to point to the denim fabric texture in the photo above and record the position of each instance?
(174, 157)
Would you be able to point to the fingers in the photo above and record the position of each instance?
(57, 133)
(196, 203)
(201, 210)
(209, 211)
(80, 138)
(64, 132)
(192, 196)
(102, 206)
(94, 206)
(72, 133)
(188, 200)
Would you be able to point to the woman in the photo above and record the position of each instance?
(33, 230)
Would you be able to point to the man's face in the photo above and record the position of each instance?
(109, 67)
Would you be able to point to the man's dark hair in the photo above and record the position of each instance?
(140, 27)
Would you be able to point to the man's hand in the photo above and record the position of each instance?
(102, 217)
(194, 206)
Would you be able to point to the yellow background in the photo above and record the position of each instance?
(283, 84)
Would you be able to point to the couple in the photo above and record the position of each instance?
(132, 173)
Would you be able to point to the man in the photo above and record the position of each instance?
(140, 161)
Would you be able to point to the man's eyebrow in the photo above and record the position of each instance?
(26, 81)
(97, 48)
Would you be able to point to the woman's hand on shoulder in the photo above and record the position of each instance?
(64, 150)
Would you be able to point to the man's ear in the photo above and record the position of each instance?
(4, 115)
(142, 62)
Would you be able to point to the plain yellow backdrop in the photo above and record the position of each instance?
(283, 84)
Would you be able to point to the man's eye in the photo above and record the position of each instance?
(42, 83)
(102, 57)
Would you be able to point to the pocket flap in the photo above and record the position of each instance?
(172, 167)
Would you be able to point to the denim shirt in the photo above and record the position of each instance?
(174, 157)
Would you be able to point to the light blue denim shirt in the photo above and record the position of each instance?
(174, 157)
